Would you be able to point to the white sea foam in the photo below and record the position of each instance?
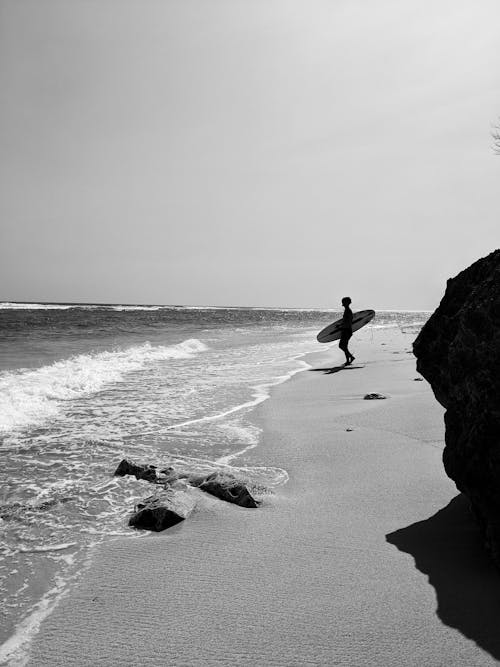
(261, 392)
(15, 651)
(389, 325)
(48, 547)
(269, 476)
(30, 397)
(126, 308)
(11, 305)
(396, 325)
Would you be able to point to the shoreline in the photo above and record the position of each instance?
(308, 578)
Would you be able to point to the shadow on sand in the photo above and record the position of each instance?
(446, 547)
(336, 369)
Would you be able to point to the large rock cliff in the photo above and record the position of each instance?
(458, 352)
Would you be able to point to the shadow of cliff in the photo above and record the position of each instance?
(446, 547)
(336, 369)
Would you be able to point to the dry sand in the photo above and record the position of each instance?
(331, 570)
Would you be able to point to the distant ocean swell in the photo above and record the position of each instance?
(30, 397)
(12, 305)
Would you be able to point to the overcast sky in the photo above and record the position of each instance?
(246, 152)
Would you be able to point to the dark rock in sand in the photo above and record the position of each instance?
(458, 352)
(374, 397)
(226, 487)
(162, 510)
(418, 379)
(140, 471)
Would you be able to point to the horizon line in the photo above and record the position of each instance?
(238, 307)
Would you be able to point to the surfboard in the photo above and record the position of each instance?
(333, 331)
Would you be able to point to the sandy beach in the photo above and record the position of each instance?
(192, 193)
(367, 556)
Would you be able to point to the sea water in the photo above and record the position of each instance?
(83, 386)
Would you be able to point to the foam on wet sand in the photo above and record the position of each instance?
(309, 578)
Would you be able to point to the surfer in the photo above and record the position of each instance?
(346, 329)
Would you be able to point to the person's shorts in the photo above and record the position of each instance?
(344, 338)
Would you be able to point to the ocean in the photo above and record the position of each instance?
(83, 386)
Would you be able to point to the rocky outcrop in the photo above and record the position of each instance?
(219, 484)
(165, 509)
(458, 352)
(162, 510)
(226, 487)
(138, 470)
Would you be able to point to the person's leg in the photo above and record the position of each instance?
(343, 347)
(349, 356)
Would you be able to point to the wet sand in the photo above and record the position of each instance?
(331, 570)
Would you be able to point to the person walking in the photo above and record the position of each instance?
(346, 329)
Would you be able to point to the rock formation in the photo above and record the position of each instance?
(165, 509)
(226, 487)
(162, 510)
(458, 352)
(140, 471)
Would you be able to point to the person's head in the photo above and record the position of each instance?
(346, 301)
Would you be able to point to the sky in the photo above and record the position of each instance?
(246, 152)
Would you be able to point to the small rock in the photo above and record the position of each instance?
(373, 397)
(418, 379)
(349, 429)
(162, 510)
(226, 487)
(140, 471)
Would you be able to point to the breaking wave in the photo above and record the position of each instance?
(14, 305)
(11, 305)
(30, 397)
